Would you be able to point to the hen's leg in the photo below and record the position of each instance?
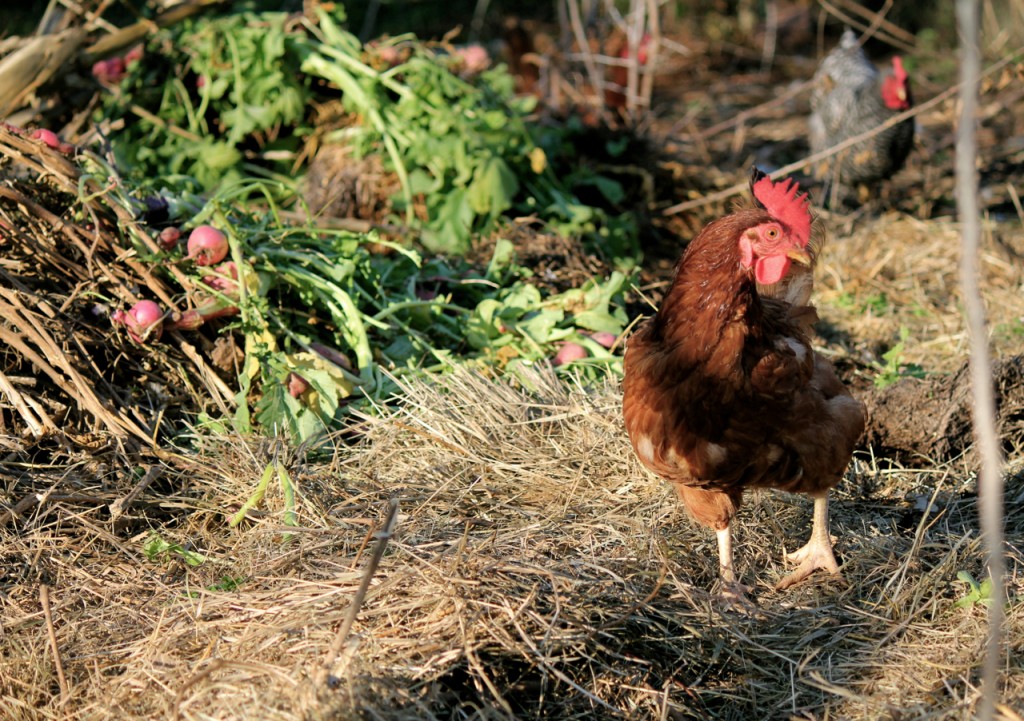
(734, 592)
(817, 553)
(715, 510)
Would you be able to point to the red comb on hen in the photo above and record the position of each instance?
(782, 201)
(897, 68)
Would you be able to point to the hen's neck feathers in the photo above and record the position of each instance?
(710, 288)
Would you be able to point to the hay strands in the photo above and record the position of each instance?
(71, 262)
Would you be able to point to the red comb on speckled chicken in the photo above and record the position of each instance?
(722, 390)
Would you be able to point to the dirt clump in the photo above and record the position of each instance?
(921, 420)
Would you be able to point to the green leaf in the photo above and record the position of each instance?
(449, 229)
(598, 321)
(288, 490)
(612, 190)
(156, 547)
(255, 498)
(493, 188)
(483, 325)
(519, 299)
(501, 259)
(423, 183)
(495, 119)
(541, 326)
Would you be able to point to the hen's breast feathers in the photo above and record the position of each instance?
(715, 423)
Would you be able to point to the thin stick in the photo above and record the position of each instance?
(357, 601)
(771, 34)
(637, 21)
(653, 46)
(753, 112)
(36, 424)
(44, 599)
(118, 507)
(877, 20)
(873, 29)
(990, 478)
(829, 152)
(596, 76)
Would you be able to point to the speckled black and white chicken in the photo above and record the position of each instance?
(851, 96)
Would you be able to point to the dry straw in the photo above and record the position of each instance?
(534, 571)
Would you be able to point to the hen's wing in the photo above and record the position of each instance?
(711, 425)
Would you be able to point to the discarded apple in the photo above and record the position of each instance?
(109, 71)
(168, 238)
(225, 279)
(297, 385)
(48, 137)
(604, 338)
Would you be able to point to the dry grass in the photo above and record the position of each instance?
(895, 272)
(535, 572)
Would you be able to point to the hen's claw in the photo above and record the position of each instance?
(815, 555)
(815, 550)
(733, 597)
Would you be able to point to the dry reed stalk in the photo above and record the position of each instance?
(43, 301)
(990, 479)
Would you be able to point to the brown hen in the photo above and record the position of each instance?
(722, 390)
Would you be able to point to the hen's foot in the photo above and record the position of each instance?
(817, 554)
(734, 597)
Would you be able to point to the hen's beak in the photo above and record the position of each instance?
(799, 255)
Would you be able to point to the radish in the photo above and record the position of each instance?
(604, 338)
(207, 245)
(568, 353)
(334, 356)
(194, 318)
(474, 58)
(226, 278)
(50, 140)
(48, 137)
(109, 71)
(168, 238)
(134, 55)
(189, 320)
(212, 308)
(389, 55)
(144, 321)
(297, 385)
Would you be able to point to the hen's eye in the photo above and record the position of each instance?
(772, 233)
